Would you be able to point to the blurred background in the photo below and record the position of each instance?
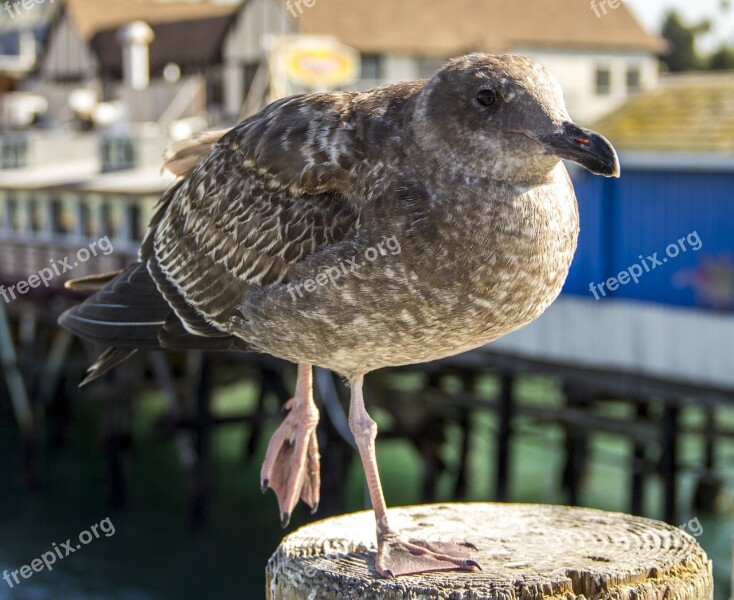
(620, 397)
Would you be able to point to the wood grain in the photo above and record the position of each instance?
(527, 552)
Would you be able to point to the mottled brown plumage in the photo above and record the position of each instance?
(462, 174)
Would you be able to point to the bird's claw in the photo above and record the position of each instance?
(396, 557)
(292, 463)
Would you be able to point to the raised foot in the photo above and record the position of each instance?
(292, 463)
(396, 556)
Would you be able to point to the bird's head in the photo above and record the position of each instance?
(504, 117)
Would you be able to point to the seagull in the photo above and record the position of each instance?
(443, 206)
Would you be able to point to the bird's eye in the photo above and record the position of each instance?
(486, 97)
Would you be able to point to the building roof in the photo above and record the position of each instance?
(185, 42)
(690, 113)
(187, 33)
(90, 18)
(440, 28)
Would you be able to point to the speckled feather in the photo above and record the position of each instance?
(486, 221)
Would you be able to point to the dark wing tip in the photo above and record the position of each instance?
(107, 361)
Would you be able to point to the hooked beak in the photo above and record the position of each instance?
(584, 147)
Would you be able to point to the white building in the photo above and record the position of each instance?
(600, 60)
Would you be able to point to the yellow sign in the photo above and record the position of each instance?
(321, 64)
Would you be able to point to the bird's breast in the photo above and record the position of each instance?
(501, 260)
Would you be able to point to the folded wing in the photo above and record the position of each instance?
(269, 194)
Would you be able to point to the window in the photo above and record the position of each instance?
(118, 154)
(106, 221)
(634, 78)
(603, 81)
(10, 42)
(372, 66)
(63, 219)
(137, 228)
(114, 218)
(13, 152)
(86, 218)
(10, 221)
(36, 214)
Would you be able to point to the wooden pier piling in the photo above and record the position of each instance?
(526, 552)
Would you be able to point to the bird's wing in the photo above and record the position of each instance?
(271, 193)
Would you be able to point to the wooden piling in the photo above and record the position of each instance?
(526, 552)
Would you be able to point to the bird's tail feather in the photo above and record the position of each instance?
(129, 313)
(126, 314)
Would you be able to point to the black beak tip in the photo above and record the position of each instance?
(613, 168)
(588, 149)
(608, 157)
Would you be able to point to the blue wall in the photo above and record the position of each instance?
(644, 212)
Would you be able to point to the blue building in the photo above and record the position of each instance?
(668, 222)
(677, 153)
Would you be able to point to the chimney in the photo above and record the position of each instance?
(136, 39)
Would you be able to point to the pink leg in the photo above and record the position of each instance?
(292, 463)
(397, 556)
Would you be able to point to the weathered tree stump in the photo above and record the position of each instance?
(526, 552)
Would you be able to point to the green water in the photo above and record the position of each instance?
(154, 555)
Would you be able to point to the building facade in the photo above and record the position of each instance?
(600, 62)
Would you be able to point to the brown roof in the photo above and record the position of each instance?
(92, 16)
(689, 113)
(447, 28)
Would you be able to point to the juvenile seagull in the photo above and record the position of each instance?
(464, 171)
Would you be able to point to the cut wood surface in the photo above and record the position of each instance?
(526, 552)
